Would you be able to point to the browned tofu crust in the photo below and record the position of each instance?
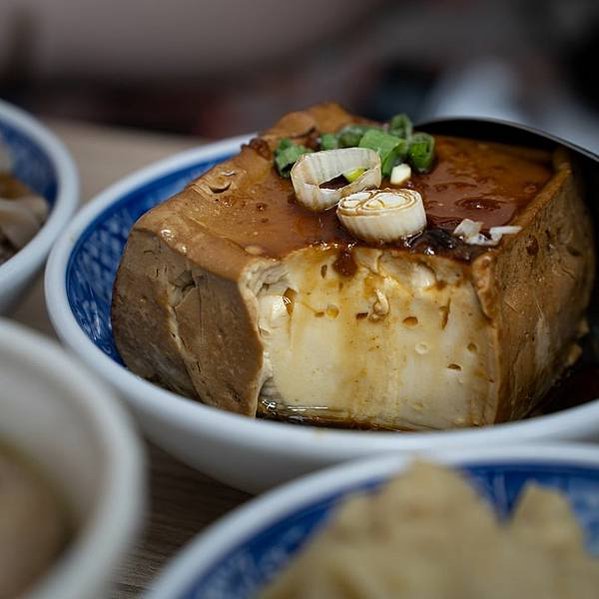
(184, 311)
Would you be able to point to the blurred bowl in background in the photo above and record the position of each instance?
(59, 417)
(237, 556)
(40, 161)
(176, 40)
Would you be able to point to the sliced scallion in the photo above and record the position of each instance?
(354, 174)
(395, 157)
(284, 144)
(401, 126)
(421, 152)
(391, 149)
(286, 154)
(350, 136)
(312, 170)
(329, 141)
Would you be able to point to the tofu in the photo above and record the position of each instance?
(232, 294)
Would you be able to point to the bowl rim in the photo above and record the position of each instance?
(213, 544)
(308, 441)
(33, 253)
(115, 520)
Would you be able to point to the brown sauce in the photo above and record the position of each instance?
(11, 188)
(488, 182)
(345, 264)
(480, 181)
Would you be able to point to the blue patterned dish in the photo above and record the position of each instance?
(246, 453)
(238, 555)
(97, 253)
(29, 162)
(38, 159)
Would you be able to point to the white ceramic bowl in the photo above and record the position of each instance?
(245, 453)
(41, 161)
(60, 416)
(236, 556)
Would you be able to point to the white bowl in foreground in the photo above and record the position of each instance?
(41, 161)
(59, 416)
(238, 555)
(246, 453)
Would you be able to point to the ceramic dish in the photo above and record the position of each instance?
(245, 453)
(236, 556)
(59, 416)
(41, 161)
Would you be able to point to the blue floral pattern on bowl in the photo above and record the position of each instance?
(95, 258)
(243, 571)
(29, 162)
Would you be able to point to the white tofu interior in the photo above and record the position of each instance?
(402, 343)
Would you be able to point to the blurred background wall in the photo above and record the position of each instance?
(220, 67)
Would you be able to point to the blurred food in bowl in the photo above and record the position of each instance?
(22, 211)
(38, 195)
(539, 499)
(428, 533)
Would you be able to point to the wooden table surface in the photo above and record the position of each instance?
(182, 501)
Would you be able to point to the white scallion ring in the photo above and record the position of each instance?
(469, 231)
(312, 170)
(385, 215)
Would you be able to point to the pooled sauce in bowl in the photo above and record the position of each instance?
(34, 524)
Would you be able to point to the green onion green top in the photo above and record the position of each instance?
(422, 151)
(286, 155)
(351, 176)
(350, 136)
(329, 141)
(391, 149)
(401, 126)
(395, 143)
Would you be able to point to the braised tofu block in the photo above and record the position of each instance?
(234, 294)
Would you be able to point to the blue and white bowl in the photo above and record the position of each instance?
(236, 556)
(246, 453)
(41, 161)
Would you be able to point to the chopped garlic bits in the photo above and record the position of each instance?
(312, 170)
(469, 232)
(400, 174)
(383, 215)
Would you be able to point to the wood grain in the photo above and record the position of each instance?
(182, 502)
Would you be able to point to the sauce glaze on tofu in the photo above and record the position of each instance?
(231, 293)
